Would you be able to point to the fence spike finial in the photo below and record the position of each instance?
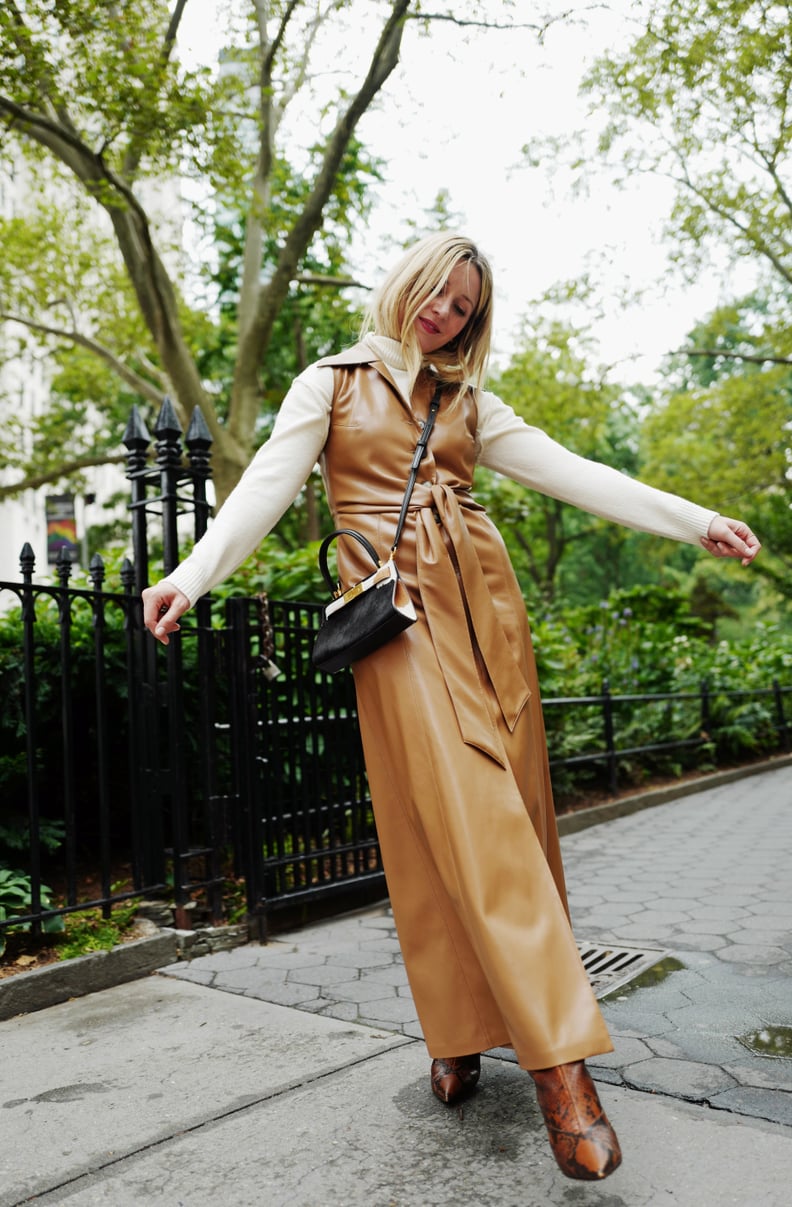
(63, 566)
(97, 571)
(136, 440)
(27, 561)
(199, 444)
(135, 432)
(198, 432)
(169, 447)
(167, 421)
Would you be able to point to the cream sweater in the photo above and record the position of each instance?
(506, 443)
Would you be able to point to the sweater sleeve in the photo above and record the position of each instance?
(268, 486)
(512, 447)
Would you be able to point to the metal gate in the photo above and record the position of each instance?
(306, 825)
(267, 768)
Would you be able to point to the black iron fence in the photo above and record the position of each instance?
(308, 827)
(129, 770)
(67, 762)
(664, 731)
(171, 772)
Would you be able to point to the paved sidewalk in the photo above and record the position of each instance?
(705, 879)
(304, 1081)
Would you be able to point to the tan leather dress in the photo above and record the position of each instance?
(454, 740)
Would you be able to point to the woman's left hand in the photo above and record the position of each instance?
(731, 538)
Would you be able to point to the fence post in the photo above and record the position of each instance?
(610, 744)
(168, 435)
(143, 702)
(136, 439)
(161, 769)
(706, 719)
(63, 570)
(198, 442)
(97, 575)
(168, 432)
(783, 728)
(248, 836)
(135, 739)
(27, 564)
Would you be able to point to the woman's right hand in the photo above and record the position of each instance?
(163, 604)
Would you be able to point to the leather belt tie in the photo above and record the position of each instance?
(457, 600)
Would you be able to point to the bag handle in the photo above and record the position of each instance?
(324, 549)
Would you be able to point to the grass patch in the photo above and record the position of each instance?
(89, 931)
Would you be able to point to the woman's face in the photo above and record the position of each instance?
(442, 318)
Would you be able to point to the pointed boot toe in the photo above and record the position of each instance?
(582, 1140)
(454, 1077)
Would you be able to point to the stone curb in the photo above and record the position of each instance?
(43, 987)
(571, 823)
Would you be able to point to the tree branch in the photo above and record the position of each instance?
(34, 481)
(145, 388)
(716, 208)
(757, 358)
(314, 278)
(777, 181)
(481, 24)
(269, 118)
(49, 90)
(152, 285)
(136, 145)
(258, 332)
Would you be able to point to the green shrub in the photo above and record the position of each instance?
(647, 642)
(16, 901)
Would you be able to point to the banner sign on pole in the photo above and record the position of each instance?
(61, 529)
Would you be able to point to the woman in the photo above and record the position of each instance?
(449, 710)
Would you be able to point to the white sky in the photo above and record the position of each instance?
(455, 116)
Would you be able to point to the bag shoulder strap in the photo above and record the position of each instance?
(418, 456)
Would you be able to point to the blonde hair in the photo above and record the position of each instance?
(419, 276)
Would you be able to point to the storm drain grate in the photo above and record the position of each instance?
(610, 967)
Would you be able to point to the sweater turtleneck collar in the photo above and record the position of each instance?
(388, 350)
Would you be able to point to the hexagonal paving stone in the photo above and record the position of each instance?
(743, 954)
(274, 957)
(687, 941)
(366, 959)
(239, 957)
(347, 1012)
(383, 944)
(687, 1079)
(626, 1051)
(762, 1073)
(764, 938)
(359, 991)
(761, 919)
(260, 980)
(285, 995)
(387, 1010)
(775, 1105)
(395, 975)
(319, 975)
(722, 913)
(708, 926)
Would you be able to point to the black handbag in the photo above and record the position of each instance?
(372, 611)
